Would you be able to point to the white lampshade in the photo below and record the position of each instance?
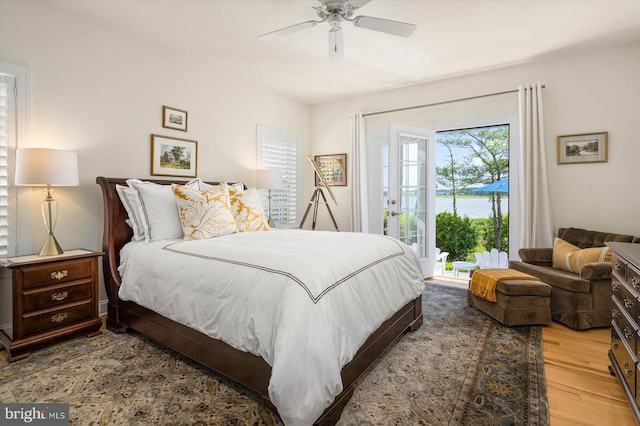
(269, 179)
(42, 166)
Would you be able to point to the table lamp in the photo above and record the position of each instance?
(269, 179)
(47, 167)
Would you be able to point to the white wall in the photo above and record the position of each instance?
(591, 92)
(100, 92)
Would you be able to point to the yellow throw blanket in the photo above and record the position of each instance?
(484, 281)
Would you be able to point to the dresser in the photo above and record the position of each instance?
(625, 320)
(54, 298)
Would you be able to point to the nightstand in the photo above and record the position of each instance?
(54, 298)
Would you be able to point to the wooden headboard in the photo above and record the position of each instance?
(116, 231)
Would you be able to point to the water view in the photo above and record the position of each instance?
(472, 207)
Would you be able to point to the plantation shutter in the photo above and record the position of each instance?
(277, 150)
(4, 163)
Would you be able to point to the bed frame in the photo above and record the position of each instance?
(245, 368)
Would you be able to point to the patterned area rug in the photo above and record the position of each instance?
(460, 368)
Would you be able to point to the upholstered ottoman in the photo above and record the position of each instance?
(519, 302)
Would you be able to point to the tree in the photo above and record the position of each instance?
(455, 175)
(490, 159)
(177, 152)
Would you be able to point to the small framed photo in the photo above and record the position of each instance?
(583, 148)
(173, 156)
(173, 118)
(333, 168)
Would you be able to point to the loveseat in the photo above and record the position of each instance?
(579, 299)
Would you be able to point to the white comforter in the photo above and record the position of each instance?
(305, 301)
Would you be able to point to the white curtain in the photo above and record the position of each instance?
(359, 219)
(535, 221)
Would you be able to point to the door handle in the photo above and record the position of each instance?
(394, 213)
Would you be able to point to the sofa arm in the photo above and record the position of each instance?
(596, 271)
(537, 256)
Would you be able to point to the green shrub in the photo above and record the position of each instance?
(456, 235)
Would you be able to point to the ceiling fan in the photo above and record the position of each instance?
(335, 12)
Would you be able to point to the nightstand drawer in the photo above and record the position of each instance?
(60, 272)
(55, 296)
(46, 320)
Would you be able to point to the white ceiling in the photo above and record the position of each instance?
(453, 38)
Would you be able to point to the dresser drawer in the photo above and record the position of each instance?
(619, 265)
(47, 320)
(626, 298)
(60, 272)
(53, 296)
(633, 277)
(626, 330)
(624, 359)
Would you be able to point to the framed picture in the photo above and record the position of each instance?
(174, 118)
(583, 148)
(173, 156)
(333, 168)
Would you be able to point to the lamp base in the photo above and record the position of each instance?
(50, 247)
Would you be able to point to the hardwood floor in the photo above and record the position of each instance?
(580, 389)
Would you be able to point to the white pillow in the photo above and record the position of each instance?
(204, 186)
(159, 210)
(131, 202)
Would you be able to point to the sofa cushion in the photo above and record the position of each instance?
(571, 258)
(523, 288)
(584, 238)
(554, 277)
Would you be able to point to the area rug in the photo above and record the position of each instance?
(460, 368)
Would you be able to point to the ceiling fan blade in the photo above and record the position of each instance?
(402, 29)
(356, 4)
(287, 30)
(336, 44)
(314, 3)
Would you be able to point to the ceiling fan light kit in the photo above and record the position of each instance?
(335, 12)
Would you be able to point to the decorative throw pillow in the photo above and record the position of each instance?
(246, 206)
(570, 258)
(204, 214)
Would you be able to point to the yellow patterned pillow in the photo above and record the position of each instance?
(204, 214)
(570, 258)
(246, 206)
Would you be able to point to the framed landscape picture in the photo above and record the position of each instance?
(173, 118)
(333, 168)
(583, 148)
(173, 156)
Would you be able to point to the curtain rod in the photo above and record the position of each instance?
(441, 103)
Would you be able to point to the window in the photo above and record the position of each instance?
(278, 150)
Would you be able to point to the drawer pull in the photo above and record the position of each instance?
(628, 334)
(615, 312)
(627, 369)
(59, 317)
(635, 281)
(615, 287)
(628, 303)
(614, 343)
(59, 296)
(618, 266)
(59, 274)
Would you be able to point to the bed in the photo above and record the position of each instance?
(250, 370)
